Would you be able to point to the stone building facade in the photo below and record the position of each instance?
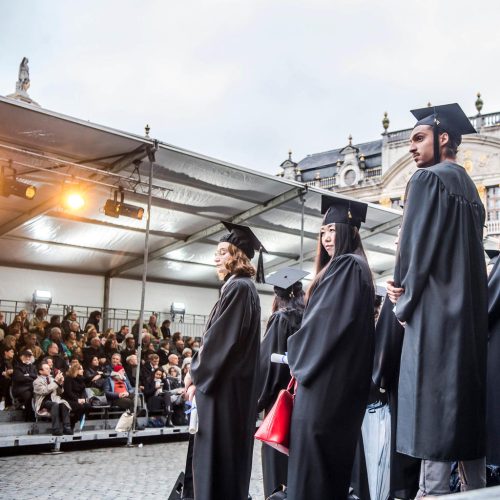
(378, 171)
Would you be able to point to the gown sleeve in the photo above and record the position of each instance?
(424, 221)
(331, 311)
(494, 295)
(271, 374)
(222, 339)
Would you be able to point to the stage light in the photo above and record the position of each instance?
(115, 208)
(41, 297)
(178, 308)
(11, 186)
(72, 197)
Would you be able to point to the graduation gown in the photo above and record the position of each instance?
(405, 470)
(225, 371)
(442, 381)
(272, 378)
(493, 385)
(331, 356)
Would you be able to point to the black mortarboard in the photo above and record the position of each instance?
(244, 238)
(445, 118)
(343, 211)
(493, 255)
(286, 277)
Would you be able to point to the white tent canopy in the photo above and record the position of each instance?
(191, 194)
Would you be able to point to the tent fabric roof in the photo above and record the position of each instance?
(192, 193)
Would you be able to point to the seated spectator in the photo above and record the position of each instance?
(71, 317)
(74, 327)
(165, 329)
(153, 327)
(55, 322)
(47, 392)
(94, 376)
(173, 360)
(89, 333)
(152, 364)
(31, 344)
(94, 319)
(147, 346)
(3, 326)
(6, 371)
(118, 390)
(55, 336)
(178, 347)
(59, 363)
(74, 392)
(68, 344)
(25, 324)
(36, 325)
(23, 377)
(135, 329)
(158, 396)
(131, 370)
(77, 354)
(116, 360)
(110, 347)
(189, 342)
(9, 342)
(164, 351)
(94, 349)
(124, 331)
(108, 333)
(175, 373)
(196, 346)
(15, 331)
(187, 353)
(186, 366)
(128, 347)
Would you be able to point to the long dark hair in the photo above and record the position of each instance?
(347, 240)
(292, 300)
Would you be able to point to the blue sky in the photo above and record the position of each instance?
(245, 80)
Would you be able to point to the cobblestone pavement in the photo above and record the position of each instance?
(126, 473)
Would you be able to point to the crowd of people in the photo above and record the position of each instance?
(59, 369)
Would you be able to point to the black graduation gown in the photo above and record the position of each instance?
(225, 372)
(272, 378)
(331, 356)
(405, 470)
(442, 381)
(493, 386)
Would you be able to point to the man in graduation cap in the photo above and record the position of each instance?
(442, 302)
(224, 374)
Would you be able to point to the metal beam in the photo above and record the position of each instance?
(211, 230)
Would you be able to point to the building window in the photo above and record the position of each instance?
(493, 203)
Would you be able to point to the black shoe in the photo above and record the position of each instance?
(68, 431)
(168, 422)
(57, 432)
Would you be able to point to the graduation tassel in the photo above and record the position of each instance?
(260, 278)
(437, 156)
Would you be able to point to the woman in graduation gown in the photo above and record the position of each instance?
(493, 373)
(331, 356)
(287, 309)
(224, 375)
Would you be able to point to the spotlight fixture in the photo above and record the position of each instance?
(11, 186)
(178, 308)
(41, 297)
(115, 208)
(73, 198)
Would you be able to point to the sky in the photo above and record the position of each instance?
(244, 81)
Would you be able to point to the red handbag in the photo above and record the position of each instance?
(275, 428)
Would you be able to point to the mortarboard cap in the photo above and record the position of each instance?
(447, 117)
(244, 238)
(493, 255)
(343, 211)
(286, 277)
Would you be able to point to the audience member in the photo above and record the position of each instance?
(37, 325)
(165, 329)
(94, 319)
(128, 347)
(31, 344)
(94, 349)
(6, 371)
(173, 360)
(47, 392)
(120, 336)
(94, 376)
(131, 369)
(110, 347)
(55, 322)
(60, 364)
(153, 327)
(9, 342)
(164, 351)
(178, 347)
(23, 377)
(187, 353)
(118, 390)
(3, 326)
(68, 319)
(158, 396)
(55, 336)
(74, 392)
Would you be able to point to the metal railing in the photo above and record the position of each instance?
(373, 173)
(493, 226)
(193, 325)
